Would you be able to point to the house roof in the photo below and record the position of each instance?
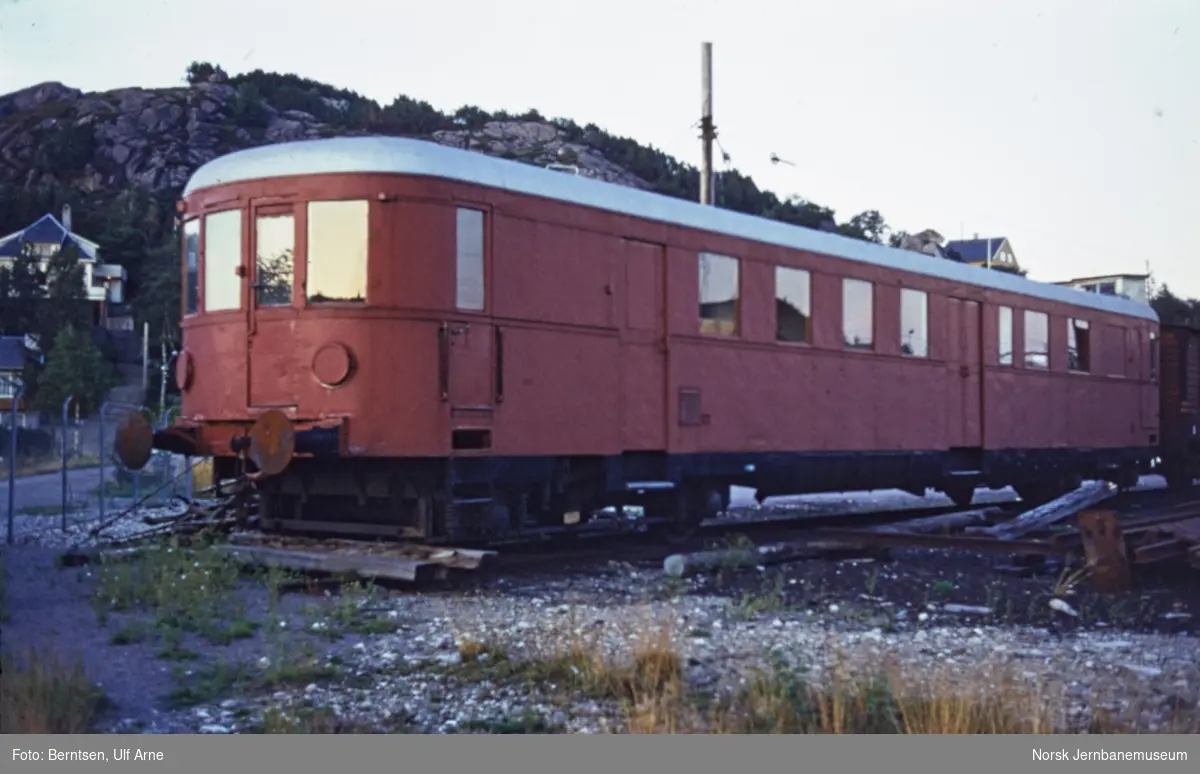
(46, 229)
(12, 353)
(975, 249)
(403, 156)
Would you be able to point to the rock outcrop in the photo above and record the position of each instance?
(156, 138)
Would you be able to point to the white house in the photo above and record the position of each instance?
(104, 282)
(1131, 286)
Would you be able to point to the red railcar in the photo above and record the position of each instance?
(416, 340)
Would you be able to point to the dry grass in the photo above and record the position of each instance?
(648, 685)
(46, 696)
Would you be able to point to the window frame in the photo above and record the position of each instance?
(304, 282)
(240, 267)
(1025, 350)
(808, 315)
(715, 323)
(1012, 337)
(848, 282)
(484, 250)
(924, 354)
(197, 219)
(272, 210)
(1073, 337)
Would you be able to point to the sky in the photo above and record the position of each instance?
(1071, 127)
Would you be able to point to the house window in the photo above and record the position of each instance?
(222, 260)
(718, 294)
(1079, 346)
(1006, 335)
(1107, 288)
(275, 242)
(191, 251)
(914, 322)
(337, 251)
(792, 304)
(1037, 340)
(8, 385)
(469, 241)
(858, 320)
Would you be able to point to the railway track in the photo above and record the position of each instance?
(1159, 525)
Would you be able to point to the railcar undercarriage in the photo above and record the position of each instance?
(305, 487)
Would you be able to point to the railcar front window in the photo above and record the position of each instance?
(1079, 345)
(337, 251)
(1037, 340)
(719, 287)
(858, 314)
(275, 239)
(191, 251)
(1006, 335)
(914, 322)
(222, 260)
(469, 259)
(793, 304)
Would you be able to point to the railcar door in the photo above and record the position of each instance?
(271, 314)
(472, 348)
(964, 361)
(643, 403)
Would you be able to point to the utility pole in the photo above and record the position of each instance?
(145, 358)
(707, 131)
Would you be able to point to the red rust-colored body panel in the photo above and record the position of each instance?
(598, 316)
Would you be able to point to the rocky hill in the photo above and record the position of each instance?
(121, 157)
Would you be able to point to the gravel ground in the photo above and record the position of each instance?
(446, 661)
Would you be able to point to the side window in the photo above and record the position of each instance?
(222, 259)
(914, 322)
(275, 243)
(719, 286)
(1079, 345)
(469, 249)
(337, 251)
(793, 304)
(858, 318)
(1153, 357)
(1037, 340)
(1005, 331)
(191, 253)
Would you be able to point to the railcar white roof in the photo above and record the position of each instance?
(396, 155)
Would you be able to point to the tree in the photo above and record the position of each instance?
(76, 368)
(21, 289)
(868, 226)
(63, 303)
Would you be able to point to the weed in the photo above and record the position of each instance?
(45, 696)
(942, 587)
(768, 599)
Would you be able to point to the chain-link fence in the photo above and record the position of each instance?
(65, 474)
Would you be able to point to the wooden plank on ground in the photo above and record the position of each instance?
(338, 563)
(1086, 496)
(944, 522)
